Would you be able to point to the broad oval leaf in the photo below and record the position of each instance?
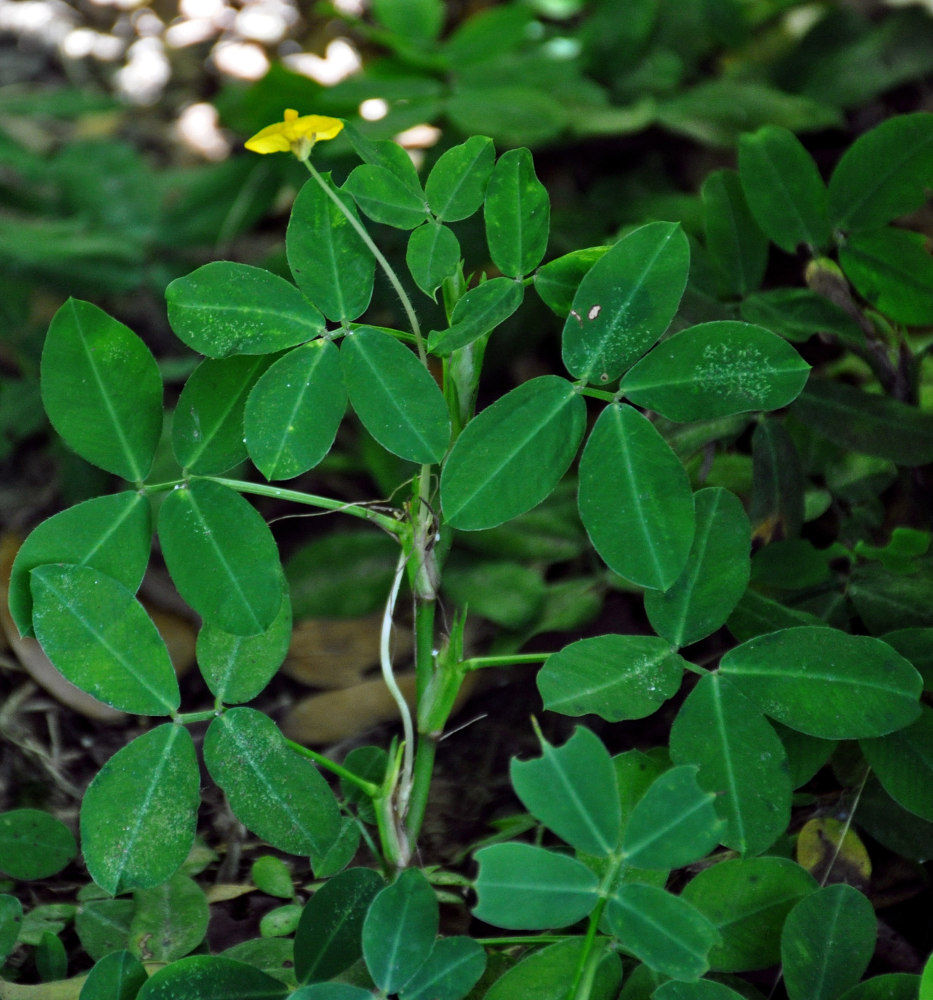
(784, 189)
(739, 757)
(478, 312)
(169, 920)
(827, 942)
(556, 282)
(276, 794)
(747, 901)
(328, 258)
(662, 930)
(673, 824)
(520, 886)
(518, 214)
(139, 814)
(827, 683)
(716, 574)
(118, 975)
(572, 790)
(735, 242)
(457, 182)
(112, 534)
(207, 428)
(544, 972)
(613, 676)
(99, 636)
(451, 971)
(212, 977)
(433, 254)
(34, 844)
(221, 556)
(625, 302)
(11, 919)
(903, 763)
(892, 269)
(330, 991)
(395, 396)
(385, 197)
(635, 500)
(236, 668)
(226, 308)
(867, 423)
(399, 930)
(102, 390)
(512, 454)
(717, 369)
(294, 409)
(327, 941)
(884, 174)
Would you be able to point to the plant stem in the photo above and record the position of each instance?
(366, 787)
(387, 268)
(385, 521)
(506, 660)
(420, 786)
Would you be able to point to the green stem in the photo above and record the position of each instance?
(387, 268)
(509, 660)
(420, 786)
(531, 939)
(186, 718)
(608, 397)
(366, 787)
(385, 521)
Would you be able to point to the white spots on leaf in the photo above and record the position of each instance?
(733, 371)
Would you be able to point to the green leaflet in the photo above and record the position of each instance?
(867, 423)
(225, 308)
(112, 534)
(449, 972)
(613, 676)
(278, 795)
(207, 428)
(827, 943)
(433, 254)
(571, 789)
(330, 262)
(662, 930)
(625, 302)
(717, 369)
(784, 189)
(512, 454)
(327, 940)
(734, 240)
(740, 757)
(457, 182)
(101, 638)
(394, 395)
(635, 500)
(747, 901)
(478, 312)
(903, 763)
(385, 198)
(236, 668)
(518, 212)
(522, 887)
(893, 271)
(211, 977)
(715, 576)
(139, 813)
(102, 390)
(34, 844)
(884, 174)
(221, 556)
(399, 930)
(825, 682)
(294, 410)
(673, 824)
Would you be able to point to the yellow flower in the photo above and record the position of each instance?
(294, 135)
